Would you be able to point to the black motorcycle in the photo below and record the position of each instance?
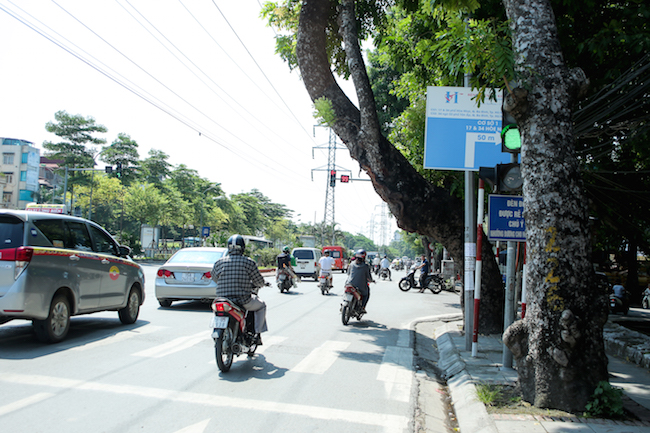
(233, 332)
(284, 281)
(618, 305)
(351, 305)
(433, 282)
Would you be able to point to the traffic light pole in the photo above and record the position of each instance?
(509, 311)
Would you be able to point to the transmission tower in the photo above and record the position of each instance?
(332, 168)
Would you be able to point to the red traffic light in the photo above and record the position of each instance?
(345, 178)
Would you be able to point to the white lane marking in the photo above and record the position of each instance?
(396, 372)
(321, 358)
(16, 405)
(117, 338)
(268, 342)
(391, 423)
(199, 427)
(404, 338)
(176, 345)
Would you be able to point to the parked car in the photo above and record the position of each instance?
(187, 276)
(55, 266)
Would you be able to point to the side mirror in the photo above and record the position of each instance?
(124, 251)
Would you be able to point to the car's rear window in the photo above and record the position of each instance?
(303, 254)
(335, 254)
(11, 232)
(202, 257)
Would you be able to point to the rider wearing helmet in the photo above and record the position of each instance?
(284, 263)
(238, 279)
(359, 276)
(385, 264)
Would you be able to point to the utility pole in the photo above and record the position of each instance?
(332, 169)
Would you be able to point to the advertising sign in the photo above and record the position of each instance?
(506, 218)
(460, 135)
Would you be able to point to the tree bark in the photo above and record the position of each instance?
(417, 205)
(559, 346)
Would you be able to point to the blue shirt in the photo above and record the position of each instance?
(425, 268)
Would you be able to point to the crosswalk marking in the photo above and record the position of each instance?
(117, 338)
(321, 358)
(199, 427)
(395, 371)
(28, 401)
(176, 345)
(390, 423)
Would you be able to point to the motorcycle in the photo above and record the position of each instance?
(324, 282)
(433, 282)
(284, 281)
(233, 332)
(618, 305)
(351, 305)
(383, 273)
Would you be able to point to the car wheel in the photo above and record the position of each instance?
(129, 314)
(165, 303)
(56, 326)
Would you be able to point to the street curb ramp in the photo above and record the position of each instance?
(471, 413)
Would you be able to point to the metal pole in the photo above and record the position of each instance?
(65, 189)
(470, 250)
(477, 277)
(509, 312)
(523, 286)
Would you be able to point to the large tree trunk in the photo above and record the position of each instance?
(417, 205)
(559, 346)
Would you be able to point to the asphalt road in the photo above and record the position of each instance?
(159, 375)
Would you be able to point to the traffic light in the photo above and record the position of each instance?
(510, 137)
(503, 178)
(332, 177)
(345, 178)
(118, 169)
(108, 169)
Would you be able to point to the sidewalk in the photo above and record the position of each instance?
(627, 351)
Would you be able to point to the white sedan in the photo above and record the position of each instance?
(187, 276)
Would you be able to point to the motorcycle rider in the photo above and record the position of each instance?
(375, 264)
(238, 279)
(385, 264)
(284, 265)
(359, 275)
(424, 271)
(326, 262)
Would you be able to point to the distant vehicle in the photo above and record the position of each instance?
(187, 275)
(306, 262)
(56, 266)
(340, 257)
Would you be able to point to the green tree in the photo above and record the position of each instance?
(78, 145)
(145, 204)
(123, 150)
(156, 167)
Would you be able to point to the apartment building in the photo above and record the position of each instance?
(19, 172)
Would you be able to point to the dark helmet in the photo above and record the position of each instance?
(360, 254)
(285, 250)
(385, 256)
(236, 245)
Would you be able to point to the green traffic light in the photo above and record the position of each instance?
(511, 138)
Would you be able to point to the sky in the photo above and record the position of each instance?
(198, 80)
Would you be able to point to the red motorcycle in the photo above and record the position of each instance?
(351, 305)
(233, 332)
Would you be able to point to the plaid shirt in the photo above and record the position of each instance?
(237, 277)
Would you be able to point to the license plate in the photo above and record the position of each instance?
(348, 297)
(302, 266)
(187, 277)
(219, 322)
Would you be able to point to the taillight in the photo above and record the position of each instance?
(21, 256)
(207, 276)
(221, 307)
(165, 273)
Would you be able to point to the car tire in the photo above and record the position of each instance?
(57, 324)
(129, 314)
(165, 303)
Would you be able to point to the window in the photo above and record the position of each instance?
(23, 176)
(9, 177)
(6, 197)
(53, 230)
(7, 158)
(78, 237)
(304, 254)
(26, 195)
(103, 244)
(11, 232)
(25, 157)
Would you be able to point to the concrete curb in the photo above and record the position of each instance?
(471, 414)
(627, 344)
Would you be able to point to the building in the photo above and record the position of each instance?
(47, 177)
(20, 170)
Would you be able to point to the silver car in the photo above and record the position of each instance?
(187, 276)
(55, 266)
